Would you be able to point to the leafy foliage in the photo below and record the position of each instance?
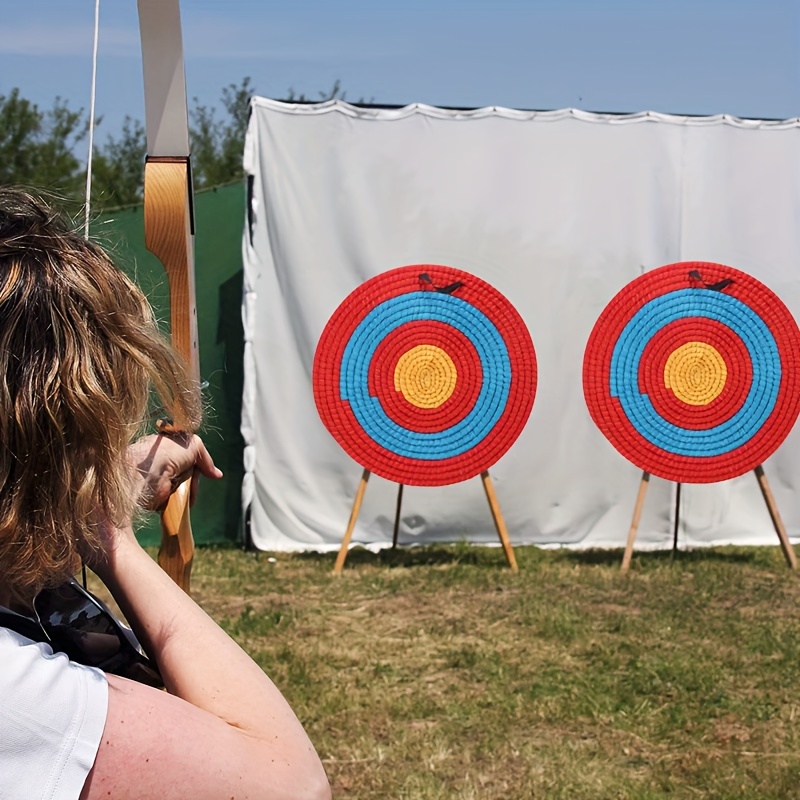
(37, 147)
(117, 167)
(217, 145)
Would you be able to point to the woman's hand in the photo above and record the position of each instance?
(163, 462)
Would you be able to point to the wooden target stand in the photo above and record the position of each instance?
(491, 497)
(769, 499)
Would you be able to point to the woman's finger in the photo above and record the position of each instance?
(203, 460)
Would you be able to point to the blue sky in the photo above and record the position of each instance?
(740, 57)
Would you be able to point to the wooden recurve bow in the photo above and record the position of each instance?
(169, 227)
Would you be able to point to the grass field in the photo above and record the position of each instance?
(436, 673)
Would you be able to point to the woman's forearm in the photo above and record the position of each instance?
(199, 662)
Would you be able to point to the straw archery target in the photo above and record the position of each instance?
(425, 375)
(691, 372)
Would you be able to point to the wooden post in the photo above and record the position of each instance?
(397, 515)
(637, 515)
(777, 522)
(499, 523)
(362, 487)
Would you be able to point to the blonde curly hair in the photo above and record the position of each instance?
(80, 354)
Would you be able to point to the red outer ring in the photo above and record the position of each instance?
(611, 419)
(340, 421)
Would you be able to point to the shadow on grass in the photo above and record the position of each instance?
(530, 556)
(408, 557)
(730, 555)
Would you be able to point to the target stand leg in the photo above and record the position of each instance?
(637, 515)
(777, 522)
(499, 522)
(397, 515)
(362, 487)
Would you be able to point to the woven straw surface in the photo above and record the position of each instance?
(425, 375)
(691, 372)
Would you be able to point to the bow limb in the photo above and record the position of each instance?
(169, 228)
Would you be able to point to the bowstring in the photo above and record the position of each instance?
(87, 205)
(88, 201)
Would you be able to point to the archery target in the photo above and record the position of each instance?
(691, 372)
(425, 375)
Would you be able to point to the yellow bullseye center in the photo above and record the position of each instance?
(425, 375)
(696, 373)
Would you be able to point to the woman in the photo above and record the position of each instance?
(79, 355)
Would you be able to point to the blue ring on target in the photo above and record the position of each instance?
(440, 307)
(764, 358)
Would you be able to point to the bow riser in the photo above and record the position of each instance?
(169, 227)
(168, 235)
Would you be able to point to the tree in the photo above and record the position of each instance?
(217, 146)
(117, 172)
(36, 147)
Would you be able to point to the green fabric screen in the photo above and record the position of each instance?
(219, 220)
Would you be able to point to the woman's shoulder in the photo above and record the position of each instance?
(52, 714)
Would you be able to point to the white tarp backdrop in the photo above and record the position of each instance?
(557, 210)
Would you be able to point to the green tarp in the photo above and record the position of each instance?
(219, 220)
